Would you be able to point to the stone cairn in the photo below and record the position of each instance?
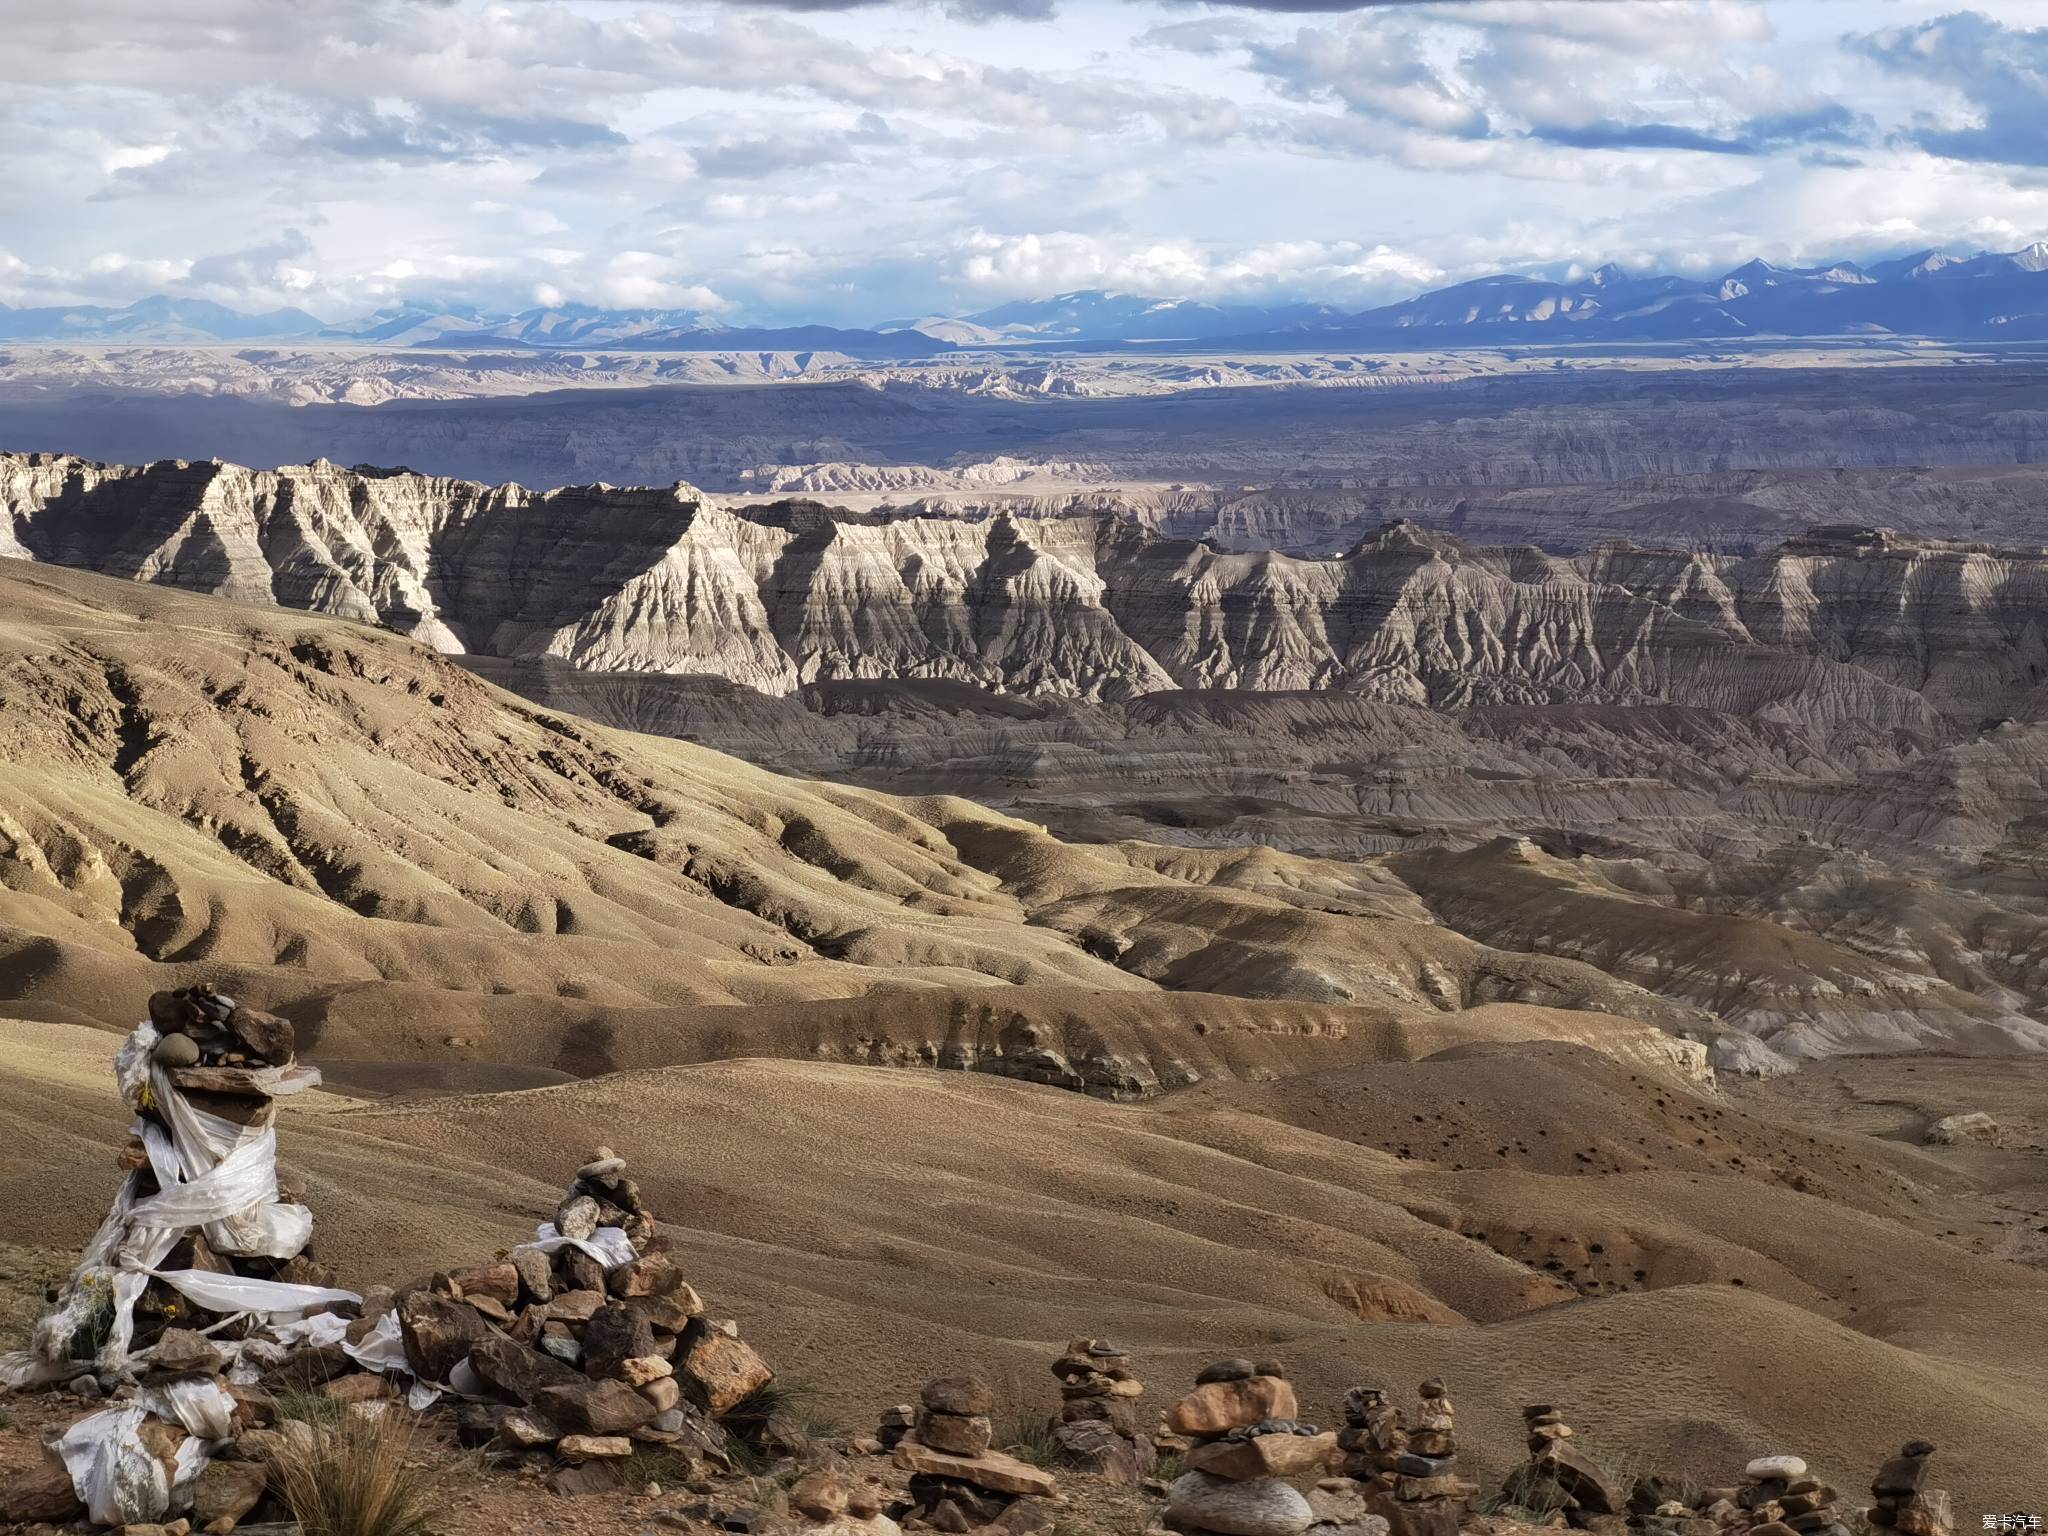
(1557, 1478)
(1902, 1502)
(1408, 1473)
(1244, 1441)
(832, 1503)
(602, 1196)
(581, 1361)
(1777, 1498)
(956, 1481)
(1098, 1423)
(232, 1062)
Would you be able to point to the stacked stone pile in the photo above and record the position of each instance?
(1558, 1478)
(1902, 1502)
(897, 1422)
(1099, 1425)
(831, 1503)
(602, 1196)
(1244, 1440)
(1408, 1473)
(957, 1483)
(577, 1361)
(1777, 1498)
(232, 1062)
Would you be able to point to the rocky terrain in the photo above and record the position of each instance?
(1796, 790)
(772, 420)
(985, 1090)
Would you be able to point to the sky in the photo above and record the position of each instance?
(864, 162)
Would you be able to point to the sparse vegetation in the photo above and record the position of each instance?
(358, 1478)
(1028, 1436)
(309, 1405)
(794, 1398)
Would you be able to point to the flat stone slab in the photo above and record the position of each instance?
(1264, 1456)
(991, 1469)
(246, 1082)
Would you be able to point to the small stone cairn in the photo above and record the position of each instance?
(1244, 1441)
(1098, 1423)
(830, 1503)
(1902, 1502)
(1558, 1478)
(1777, 1498)
(1408, 1472)
(957, 1482)
(602, 1196)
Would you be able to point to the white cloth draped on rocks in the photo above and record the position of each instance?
(213, 1176)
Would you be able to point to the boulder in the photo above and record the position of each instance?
(227, 1490)
(1265, 1456)
(176, 1051)
(181, 1352)
(1901, 1475)
(595, 1407)
(612, 1337)
(819, 1496)
(363, 1387)
(1954, 1130)
(1093, 1446)
(574, 1306)
(1580, 1478)
(1264, 1507)
(962, 1434)
(603, 1475)
(593, 1447)
(642, 1369)
(42, 1492)
(719, 1372)
(669, 1312)
(665, 1393)
(523, 1429)
(1221, 1406)
(536, 1274)
(500, 1282)
(652, 1274)
(264, 1034)
(991, 1469)
(439, 1333)
(1763, 1468)
(577, 1218)
(512, 1370)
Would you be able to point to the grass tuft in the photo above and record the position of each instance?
(358, 1478)
(311, 1406)
(1028, 1436)
(793, 1397)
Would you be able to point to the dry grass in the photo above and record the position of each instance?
(360, 1478)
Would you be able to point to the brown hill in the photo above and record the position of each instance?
(340, 824)
(873, 1227)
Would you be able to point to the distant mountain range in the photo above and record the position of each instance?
(1990, 296)
(156, 318)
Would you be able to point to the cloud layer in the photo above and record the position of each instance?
(860, 161)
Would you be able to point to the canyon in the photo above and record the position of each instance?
(1796, 791)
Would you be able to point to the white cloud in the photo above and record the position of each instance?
(782, 162)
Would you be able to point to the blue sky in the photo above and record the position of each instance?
(879, 161)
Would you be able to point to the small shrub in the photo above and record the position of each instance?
(1169, 1466)
(358, 1479)
(792, 1397)
(652, 1464)
(310, 1405)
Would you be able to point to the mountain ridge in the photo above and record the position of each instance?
(1990, 295)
